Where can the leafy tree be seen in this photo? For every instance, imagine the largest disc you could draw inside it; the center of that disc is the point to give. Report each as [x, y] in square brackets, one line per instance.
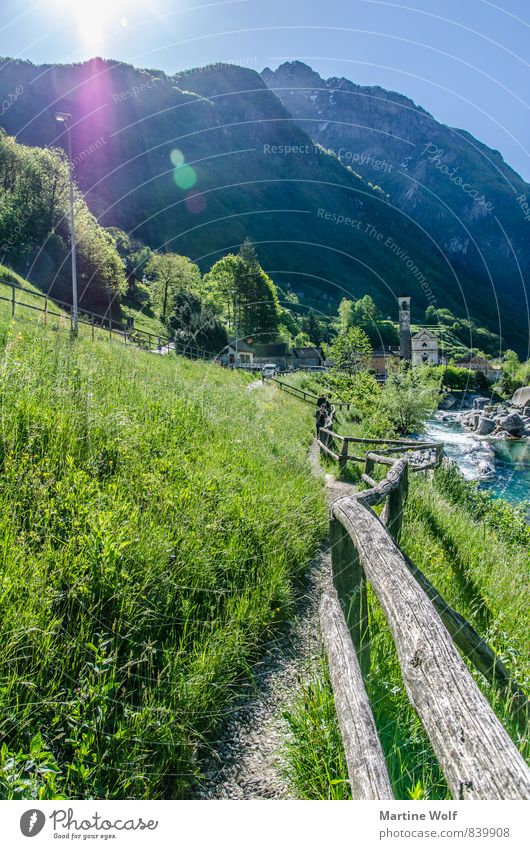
[365, 311]
[194, 323]
[244, 292]
[345, 312]
[408, 398]
[170, 274]
[311, 326]
[34, 226]
[510, 367]
[302, 340]
[351, 350]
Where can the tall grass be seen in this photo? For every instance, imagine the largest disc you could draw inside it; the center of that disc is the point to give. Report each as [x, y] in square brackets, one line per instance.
[154, 518]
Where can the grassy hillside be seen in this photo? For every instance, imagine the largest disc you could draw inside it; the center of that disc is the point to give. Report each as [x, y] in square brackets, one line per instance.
[154, 517]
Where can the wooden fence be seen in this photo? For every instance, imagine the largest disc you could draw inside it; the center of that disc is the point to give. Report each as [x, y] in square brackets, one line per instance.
[328, 440]
[117, 330]
[303, 394]
[476, 755]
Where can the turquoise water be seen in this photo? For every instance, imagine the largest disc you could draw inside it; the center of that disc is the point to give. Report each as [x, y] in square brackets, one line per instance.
[510, 458]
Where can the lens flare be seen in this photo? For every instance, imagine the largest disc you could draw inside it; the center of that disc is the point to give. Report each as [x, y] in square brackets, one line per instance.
[195, 203]
[177, 157]
[185, 176]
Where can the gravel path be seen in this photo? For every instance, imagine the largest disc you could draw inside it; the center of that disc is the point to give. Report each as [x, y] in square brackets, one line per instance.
[246, 761]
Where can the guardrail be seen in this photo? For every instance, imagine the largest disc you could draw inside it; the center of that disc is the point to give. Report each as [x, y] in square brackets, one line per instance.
[303, 394]
[476, 755]
[118, 330]
[328, 438]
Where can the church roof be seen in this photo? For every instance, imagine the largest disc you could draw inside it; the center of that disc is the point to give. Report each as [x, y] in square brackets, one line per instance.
[424, 332]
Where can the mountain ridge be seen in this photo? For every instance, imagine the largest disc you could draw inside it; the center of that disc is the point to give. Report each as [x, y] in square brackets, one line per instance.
[196, 161]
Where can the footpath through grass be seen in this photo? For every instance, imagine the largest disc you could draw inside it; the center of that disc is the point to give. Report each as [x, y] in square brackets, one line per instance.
[154, 518]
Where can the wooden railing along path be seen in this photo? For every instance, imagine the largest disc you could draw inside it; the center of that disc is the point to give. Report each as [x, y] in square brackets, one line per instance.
[476, 755]
[328, 444]
[117, 330]
[303, 394]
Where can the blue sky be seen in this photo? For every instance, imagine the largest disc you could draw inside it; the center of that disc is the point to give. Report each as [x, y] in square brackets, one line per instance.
[466, 61]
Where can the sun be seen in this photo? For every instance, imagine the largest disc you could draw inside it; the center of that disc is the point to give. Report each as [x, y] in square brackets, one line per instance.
[95, 19]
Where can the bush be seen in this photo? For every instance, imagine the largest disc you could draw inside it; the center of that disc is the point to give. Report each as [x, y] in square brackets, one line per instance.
[408, 398]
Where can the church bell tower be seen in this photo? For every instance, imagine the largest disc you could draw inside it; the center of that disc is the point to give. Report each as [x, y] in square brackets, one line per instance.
[405, 347]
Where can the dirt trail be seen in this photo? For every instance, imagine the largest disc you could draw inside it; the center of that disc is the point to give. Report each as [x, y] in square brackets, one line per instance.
[246, 760]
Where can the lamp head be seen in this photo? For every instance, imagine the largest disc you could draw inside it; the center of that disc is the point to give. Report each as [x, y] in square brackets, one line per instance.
[62, 117]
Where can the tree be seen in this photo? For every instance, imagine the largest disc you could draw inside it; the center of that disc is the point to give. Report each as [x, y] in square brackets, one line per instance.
[170, 274]
[510, 368]
[311, 326]
[302, 340]
[345, 314]
[34, 225]
[408, 398]
[244, 293]
[351, 350]
[365, 311]
[194, 323]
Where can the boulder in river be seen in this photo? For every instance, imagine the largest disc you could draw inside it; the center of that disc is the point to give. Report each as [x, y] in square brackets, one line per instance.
[512, 423]
[480, 402]
[521, 397]
[485, 426]
[448, 402]
[485, 470]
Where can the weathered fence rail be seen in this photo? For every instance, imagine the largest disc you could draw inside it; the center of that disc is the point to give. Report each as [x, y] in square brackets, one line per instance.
[476, 755]
[328, 444]
[309, 397]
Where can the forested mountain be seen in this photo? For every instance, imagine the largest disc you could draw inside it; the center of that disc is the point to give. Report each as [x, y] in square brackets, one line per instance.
[194, 163]
[461, 191]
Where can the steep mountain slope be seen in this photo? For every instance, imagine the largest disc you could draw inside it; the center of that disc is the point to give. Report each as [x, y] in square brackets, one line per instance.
[462, 192]
[195, 162]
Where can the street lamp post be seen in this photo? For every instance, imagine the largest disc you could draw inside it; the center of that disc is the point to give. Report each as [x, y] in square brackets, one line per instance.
[64, 118]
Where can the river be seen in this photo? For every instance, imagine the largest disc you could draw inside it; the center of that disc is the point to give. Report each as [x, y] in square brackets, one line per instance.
[510, 458]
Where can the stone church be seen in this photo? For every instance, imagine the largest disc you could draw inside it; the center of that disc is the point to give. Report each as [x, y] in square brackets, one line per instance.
[422, 348]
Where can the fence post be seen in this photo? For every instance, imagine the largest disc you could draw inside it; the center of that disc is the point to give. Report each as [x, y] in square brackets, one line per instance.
[392, 516]
[46, 310]
[369, 467]
[343, 457]
[13, 301]
[350, 583]
[92, 327]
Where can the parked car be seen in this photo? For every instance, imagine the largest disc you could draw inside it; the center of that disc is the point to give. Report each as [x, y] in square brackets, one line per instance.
[269, 370]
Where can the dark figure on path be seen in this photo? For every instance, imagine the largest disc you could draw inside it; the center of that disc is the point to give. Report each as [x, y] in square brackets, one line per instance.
[321, 416]
[323, 400]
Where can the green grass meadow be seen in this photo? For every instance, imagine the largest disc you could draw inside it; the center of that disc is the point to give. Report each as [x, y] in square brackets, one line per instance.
[155, 516]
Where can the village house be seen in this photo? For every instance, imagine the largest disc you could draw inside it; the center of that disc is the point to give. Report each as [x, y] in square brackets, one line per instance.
[309, 357]
[384, 360]
[491, 372]
[248, 354]
[244, 354]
